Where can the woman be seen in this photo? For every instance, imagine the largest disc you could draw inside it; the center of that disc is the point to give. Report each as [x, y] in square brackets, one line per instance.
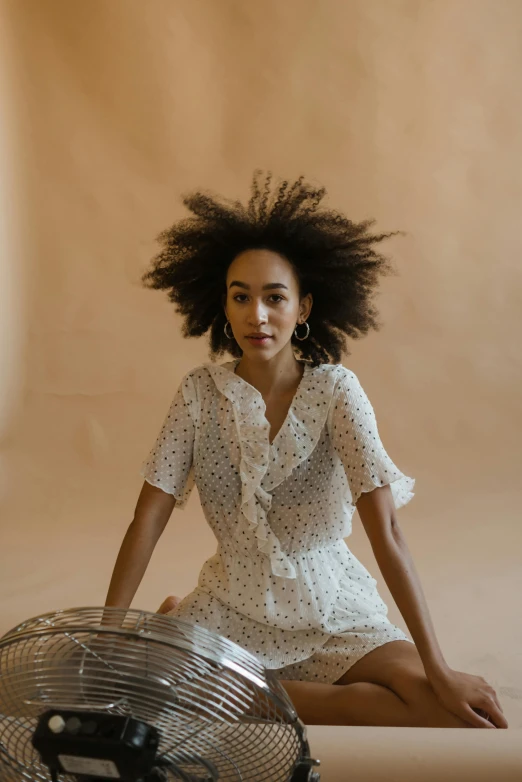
[283, 448]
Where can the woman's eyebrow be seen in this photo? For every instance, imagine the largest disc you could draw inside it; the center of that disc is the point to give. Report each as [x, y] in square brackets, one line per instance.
[266, 287]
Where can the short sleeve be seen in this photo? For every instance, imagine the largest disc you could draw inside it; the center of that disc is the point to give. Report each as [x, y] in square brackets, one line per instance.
[170, 462]
[353, 428]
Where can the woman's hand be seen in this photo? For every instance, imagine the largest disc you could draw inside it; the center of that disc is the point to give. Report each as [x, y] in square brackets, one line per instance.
[469, 697]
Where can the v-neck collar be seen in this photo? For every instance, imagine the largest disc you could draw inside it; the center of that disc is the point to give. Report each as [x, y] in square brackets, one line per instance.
[306, 370]
[264, 465]
[299, 433]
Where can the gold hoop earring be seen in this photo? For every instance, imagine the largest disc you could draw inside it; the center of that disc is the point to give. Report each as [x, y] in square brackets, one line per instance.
[307, 332]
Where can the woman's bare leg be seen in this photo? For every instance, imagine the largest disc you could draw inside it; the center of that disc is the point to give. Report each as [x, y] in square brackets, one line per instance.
[168, 604]
[350, 704]
[358, 703]
[362, 703]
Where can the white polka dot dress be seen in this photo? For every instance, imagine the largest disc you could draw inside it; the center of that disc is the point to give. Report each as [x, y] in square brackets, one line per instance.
[282, 584]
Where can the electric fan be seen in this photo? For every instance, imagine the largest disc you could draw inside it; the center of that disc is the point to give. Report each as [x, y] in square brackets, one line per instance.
[96, 694]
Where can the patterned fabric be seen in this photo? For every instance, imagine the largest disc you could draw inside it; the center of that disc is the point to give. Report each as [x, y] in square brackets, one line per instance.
[282, 583]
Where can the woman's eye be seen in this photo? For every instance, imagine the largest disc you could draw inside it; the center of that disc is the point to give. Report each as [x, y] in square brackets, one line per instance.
[280, 298]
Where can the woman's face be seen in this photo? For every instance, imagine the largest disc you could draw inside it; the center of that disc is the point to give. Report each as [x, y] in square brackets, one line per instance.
[263, 296]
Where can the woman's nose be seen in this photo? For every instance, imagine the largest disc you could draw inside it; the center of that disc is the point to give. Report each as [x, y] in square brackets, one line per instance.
[257, 312]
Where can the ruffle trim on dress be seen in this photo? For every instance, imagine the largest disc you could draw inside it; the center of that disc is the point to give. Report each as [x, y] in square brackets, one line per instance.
[401, 485]
[380, 470]
[264, 462]
[402, 490]
[304, 424]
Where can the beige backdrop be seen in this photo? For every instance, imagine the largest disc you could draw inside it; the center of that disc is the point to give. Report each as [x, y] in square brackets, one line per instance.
[407, 111]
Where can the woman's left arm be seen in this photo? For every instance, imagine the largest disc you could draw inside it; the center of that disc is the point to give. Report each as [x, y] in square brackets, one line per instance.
[461, 693]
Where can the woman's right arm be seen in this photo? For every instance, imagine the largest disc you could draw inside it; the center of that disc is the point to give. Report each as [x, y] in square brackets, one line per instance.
[153, 510]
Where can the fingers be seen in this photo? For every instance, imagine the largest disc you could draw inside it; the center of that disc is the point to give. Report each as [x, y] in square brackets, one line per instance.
[473, 717]
[496, 714]
[498, 704]
[493, 707]
[488, 717]
[501, 722]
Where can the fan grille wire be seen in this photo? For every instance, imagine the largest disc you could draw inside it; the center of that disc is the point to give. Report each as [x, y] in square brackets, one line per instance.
[206, 695]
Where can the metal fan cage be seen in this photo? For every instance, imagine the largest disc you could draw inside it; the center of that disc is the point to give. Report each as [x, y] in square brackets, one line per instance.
[208, 697]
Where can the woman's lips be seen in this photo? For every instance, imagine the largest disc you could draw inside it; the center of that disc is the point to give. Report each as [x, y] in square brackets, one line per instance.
[258, 340]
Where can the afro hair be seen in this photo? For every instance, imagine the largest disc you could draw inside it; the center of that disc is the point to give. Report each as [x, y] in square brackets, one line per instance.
[333, 258]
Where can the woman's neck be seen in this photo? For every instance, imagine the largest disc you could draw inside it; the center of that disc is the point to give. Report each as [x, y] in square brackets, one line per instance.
[273, 378]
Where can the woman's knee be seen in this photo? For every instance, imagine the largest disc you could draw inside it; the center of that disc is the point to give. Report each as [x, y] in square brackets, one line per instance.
[311, 700]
